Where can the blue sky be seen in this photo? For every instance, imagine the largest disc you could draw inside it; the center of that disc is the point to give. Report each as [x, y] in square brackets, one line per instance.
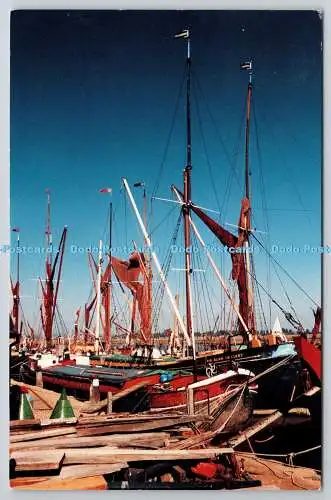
[93, 96]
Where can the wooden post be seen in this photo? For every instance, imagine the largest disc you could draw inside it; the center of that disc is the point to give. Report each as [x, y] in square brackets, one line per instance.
[190, 401]
[39, 378]
[109, 403]
[95, 391]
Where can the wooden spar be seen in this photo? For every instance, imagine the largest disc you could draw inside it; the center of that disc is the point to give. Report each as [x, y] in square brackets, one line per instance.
[156, 262]
[106, 283]
[133, 317]
[76, 326]
[212, 262]
[16, 288]
[97, 327]
[49, 296]
[254, 429]
[247, 221]
[146, 336]
[186, 206]
[61, 253]
[48, 292]
[87, 308]
[174, 343]
[115, 455]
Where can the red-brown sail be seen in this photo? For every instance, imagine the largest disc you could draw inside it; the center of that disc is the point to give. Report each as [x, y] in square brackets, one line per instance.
[234, 245]
[128, 273]
[317, 324]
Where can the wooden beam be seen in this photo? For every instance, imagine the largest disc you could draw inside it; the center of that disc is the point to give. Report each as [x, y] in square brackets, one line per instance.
[254, 429]
[86, 470]
[37, 460]
[26, 481]
[42, 434]
[23, 424]
[51, 422]
[114, 455]
[109, 403]
[126, 427]
[143, 440]
[84, 483]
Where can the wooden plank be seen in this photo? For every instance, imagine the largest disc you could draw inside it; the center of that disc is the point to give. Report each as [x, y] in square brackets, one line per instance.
[42, 434]
[83, 483]
[264, 412]
[198, 440]
[71, 471]
[312, 391]
[127, 417]
[50, 422]
[144, 440]
[25, 481]
[254, 429]
[136, 427]
[21, 424]
[114, 455]
[37, 460]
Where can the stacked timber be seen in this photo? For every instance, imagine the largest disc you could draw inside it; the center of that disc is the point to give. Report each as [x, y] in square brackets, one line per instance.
[69, 450]
[98, 451]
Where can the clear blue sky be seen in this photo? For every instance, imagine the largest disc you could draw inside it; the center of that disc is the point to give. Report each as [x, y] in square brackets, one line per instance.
[93, 95]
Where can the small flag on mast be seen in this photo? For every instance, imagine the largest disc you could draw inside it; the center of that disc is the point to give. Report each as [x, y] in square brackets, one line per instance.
[246, 65]
[105, 190]
[16, 229]
[183, 34]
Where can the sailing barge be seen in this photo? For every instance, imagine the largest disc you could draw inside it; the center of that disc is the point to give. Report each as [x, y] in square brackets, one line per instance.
[253, 354]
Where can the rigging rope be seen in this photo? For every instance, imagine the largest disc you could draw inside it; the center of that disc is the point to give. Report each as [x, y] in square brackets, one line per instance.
[160, 171]
[286, 272]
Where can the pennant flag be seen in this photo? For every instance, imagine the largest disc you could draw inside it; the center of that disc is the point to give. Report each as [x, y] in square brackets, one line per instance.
[139, 184]
[105, 190]
[246, 65]
[16, 229]
[184, 34]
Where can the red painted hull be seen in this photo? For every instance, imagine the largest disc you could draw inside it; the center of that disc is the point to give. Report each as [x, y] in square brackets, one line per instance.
[310, 354]
[175, 395]
[84, 385]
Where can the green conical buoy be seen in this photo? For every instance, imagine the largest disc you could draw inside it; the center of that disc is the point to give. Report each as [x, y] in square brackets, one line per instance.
[25, 411]
[63, 408]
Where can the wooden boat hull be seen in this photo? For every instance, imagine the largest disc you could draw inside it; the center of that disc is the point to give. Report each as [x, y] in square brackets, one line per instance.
[174, 396]
[252, 358]
[311, 355]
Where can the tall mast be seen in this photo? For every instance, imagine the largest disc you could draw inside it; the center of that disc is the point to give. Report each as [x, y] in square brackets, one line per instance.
[250, 295]
[148, 275]
[16, 287]
[108, 285]
[187, 199]
[49, 292]
[48, 227]
[106, 279]
[49, 285]
[98, 307]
